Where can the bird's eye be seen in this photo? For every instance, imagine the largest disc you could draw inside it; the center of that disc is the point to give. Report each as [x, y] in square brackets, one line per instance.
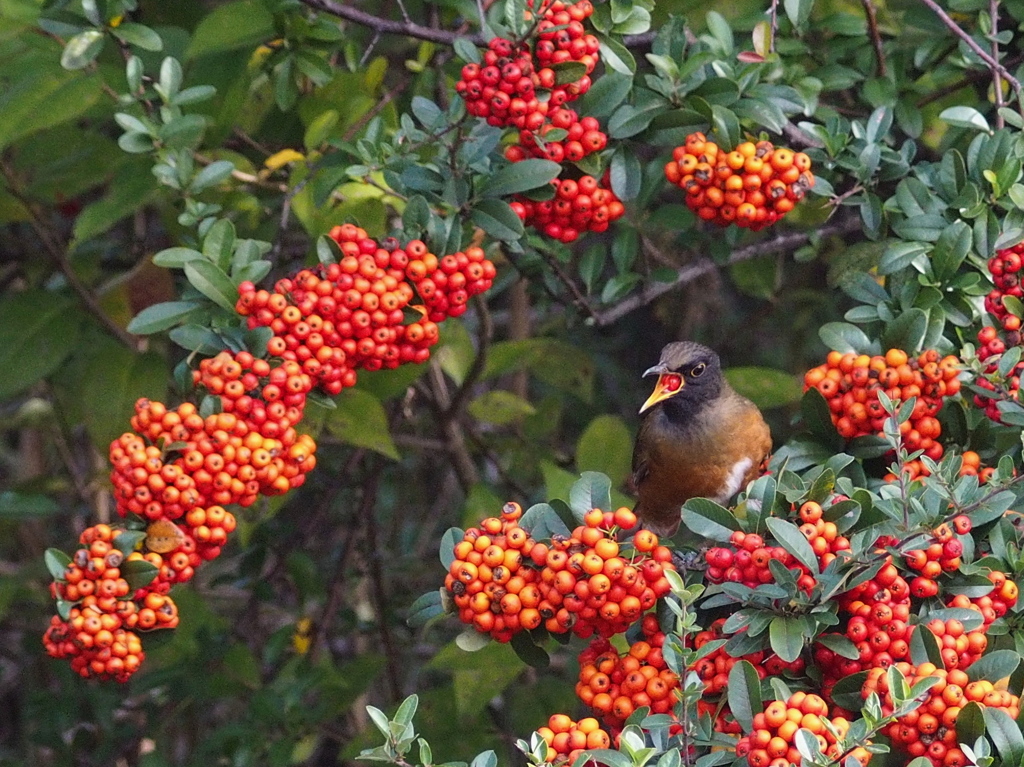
[697, 370]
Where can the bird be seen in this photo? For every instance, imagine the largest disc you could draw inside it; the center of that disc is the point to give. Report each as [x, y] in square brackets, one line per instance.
[697, 437]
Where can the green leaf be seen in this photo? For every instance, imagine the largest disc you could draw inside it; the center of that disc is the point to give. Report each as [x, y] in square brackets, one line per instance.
[449, 540]
[38, 330]
[1005, 734]
[840, 645]
[994, 666]
[785, 634]
[497, 219]
[606, 446]
[951, 250]
[617, 56]
[965, 117]
[211, 175]
[765, 387]
[610, 758]
[115, 378]
[625, 173]
[219, 244]
[844, 337]
[924, 647]
[907, 331]
[818, 419]
[175, 258]
[184, 131]
[56, 563]
[138, 572]
[591, 491]
[846, 692]
[227, 27]
[320, 129]
[519, 177]
[210, 280]
[360, 420]
[629, 120]
[127, 540]
[528, 651]
[744, 693]
[160, 317]
[568, 71]
[466, 50]
[138, 35]
[19, 507]
[605, 95]
[709, 519]
[500, 407]
[541, 521]
[970, 722]
[82, 49]
[792, 540]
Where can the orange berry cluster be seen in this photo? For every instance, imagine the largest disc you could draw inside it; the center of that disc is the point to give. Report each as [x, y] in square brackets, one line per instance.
[753, 186]
[1005, 267]
[993, 605]
[493, 587]
[614, 685]
[1005, 270]
[591, 584]
[941, 555]
[341, 317]
[99, 636]
[774, 733]
[930, 730]
[579, 138]
[580, 205]
[991, 346]
[579, 584]
[850, 384]
[503, 90]
[567, 739]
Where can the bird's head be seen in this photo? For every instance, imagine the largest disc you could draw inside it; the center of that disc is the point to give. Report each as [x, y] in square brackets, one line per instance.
[688, 376]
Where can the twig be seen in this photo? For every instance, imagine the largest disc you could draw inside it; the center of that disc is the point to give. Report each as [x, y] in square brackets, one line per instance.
[57, 252]
[388, 26]
[774, 16]
[702, 266]
[971, 43]
[578, 299]
[997, 81]
[876, 37]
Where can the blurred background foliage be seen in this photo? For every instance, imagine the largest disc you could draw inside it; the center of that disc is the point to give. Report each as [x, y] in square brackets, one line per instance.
[288, 636]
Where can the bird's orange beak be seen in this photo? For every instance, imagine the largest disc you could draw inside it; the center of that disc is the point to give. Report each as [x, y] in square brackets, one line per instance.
[668, 385]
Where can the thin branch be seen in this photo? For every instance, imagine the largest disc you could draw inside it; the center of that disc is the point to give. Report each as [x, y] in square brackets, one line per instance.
[700, 267]
[774, 15]
[997, 81]
[58, 253]
[971, 43]
[876, 37]
[388, 26]
[578, 299]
